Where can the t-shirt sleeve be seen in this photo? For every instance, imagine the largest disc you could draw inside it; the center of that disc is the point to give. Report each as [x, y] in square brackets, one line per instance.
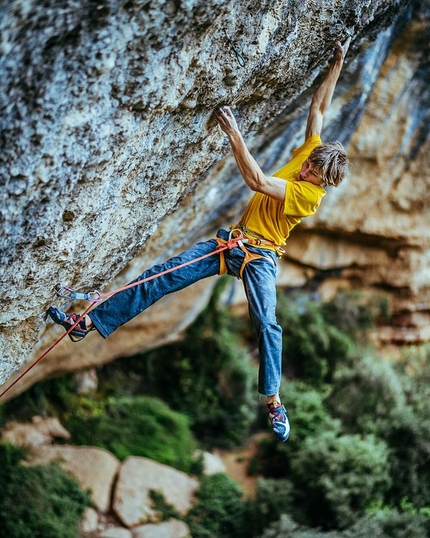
[301, 199]
[308, 145]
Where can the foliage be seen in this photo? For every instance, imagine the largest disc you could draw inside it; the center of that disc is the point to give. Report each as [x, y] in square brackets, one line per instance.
[139, 426]
[375, 396]
[393, 525]
[38, 502]
[367, 395]
[161, 506]
[336, 478]
[34, 401]
[413, 457]
[312, 347]
[272, 500]
[220, 509]
[354, 315]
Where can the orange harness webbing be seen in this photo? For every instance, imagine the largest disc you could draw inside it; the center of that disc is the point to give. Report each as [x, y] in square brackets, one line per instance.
[249, 256]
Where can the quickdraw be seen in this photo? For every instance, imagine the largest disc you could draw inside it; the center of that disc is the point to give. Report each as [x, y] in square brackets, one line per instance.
[240, 59]
[67, 293]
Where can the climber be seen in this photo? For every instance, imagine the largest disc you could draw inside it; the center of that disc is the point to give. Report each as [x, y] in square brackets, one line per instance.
[279, 203]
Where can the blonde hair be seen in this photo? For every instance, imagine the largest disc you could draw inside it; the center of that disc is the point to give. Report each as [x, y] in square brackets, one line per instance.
[331, 162]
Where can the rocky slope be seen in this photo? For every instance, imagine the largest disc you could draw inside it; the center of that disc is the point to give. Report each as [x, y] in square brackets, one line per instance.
[111, 160]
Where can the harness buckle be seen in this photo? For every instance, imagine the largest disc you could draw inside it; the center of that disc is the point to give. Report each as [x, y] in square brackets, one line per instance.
[238, 238]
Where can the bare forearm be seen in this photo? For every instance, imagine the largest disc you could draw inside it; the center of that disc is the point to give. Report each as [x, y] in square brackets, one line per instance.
[324, 94]
[248, 167]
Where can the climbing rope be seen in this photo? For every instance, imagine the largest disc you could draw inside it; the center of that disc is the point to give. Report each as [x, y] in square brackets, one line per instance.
[95, 296]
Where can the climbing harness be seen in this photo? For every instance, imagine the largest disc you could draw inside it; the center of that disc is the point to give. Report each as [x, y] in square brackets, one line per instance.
[240, 59]
[257, 240]
[240, 239]
[95, 296]
[242, 235]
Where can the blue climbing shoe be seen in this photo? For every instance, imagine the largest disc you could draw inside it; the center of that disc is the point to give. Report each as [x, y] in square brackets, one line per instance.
[279, 419]
[79, 332]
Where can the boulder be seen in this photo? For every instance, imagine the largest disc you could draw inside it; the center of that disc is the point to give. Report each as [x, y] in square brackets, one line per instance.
[41, 431]
[115, 532]
[212, 463]
[173, 528]
[137, 477]
[89, 521]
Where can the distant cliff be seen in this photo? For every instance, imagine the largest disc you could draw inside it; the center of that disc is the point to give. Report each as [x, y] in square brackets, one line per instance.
[111, 161]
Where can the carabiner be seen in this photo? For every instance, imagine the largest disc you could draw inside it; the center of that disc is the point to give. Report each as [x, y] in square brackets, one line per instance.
[67, 293]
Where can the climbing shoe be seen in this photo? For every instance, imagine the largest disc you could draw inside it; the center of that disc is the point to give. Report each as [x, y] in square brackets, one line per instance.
[279, 419]
[79, 332]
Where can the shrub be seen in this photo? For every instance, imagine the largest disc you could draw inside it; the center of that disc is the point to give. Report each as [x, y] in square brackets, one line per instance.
[336, 478]
[38, 502]
[394, 525]
[312, 347]
[139, 426]
[370, 396]
[272, 500]
[286, 527]
[367, 395]
[353, 315]
[388, 526]
[220, 509]
[408, 440]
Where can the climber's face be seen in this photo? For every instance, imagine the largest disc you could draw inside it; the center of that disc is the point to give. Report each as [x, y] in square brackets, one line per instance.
[310, 174]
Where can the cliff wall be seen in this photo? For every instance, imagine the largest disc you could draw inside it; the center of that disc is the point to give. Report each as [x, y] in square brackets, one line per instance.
[111, 160]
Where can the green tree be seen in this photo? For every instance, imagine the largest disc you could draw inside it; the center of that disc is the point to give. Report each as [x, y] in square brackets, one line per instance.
[393, 525]
[367, 395]
[219, 511]
[312, 347]
[336, 478]
[391, 401]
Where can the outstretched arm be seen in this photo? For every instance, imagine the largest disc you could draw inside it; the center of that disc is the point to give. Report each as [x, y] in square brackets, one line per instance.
[248, 167]
[323, 96]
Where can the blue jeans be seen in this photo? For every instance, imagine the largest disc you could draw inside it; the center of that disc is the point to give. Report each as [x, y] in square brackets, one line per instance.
[259, 279]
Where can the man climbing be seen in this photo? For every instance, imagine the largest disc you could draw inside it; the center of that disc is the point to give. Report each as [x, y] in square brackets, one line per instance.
[279, 203]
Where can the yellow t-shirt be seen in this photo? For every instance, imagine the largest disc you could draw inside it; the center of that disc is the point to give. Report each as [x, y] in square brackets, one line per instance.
[274, 220]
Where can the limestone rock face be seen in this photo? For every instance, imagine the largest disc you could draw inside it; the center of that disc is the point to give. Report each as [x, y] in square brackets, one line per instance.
[138, 476]
[111, 160]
